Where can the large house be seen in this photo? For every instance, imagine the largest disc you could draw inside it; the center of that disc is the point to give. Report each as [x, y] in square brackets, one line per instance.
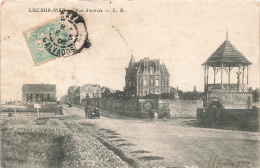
[39, 93]
[89, 91]
[76, 94]
[146, 77]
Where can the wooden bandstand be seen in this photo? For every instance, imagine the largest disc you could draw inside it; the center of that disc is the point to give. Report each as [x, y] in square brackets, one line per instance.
[225, 100]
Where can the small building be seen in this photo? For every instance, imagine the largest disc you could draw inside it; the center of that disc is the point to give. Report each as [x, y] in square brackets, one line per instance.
[146, 77]
[39, 93]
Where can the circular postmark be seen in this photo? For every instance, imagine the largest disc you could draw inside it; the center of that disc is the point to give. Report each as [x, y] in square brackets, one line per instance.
[68, 36]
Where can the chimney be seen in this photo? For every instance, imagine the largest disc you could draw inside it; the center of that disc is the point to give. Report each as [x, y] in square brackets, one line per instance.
[146, 63]
[157, 65]
[194, 89]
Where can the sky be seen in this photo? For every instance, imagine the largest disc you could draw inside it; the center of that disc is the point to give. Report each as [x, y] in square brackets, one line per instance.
[183, 34]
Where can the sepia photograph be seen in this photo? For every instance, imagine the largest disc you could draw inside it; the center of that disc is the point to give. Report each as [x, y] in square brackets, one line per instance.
[128, 83]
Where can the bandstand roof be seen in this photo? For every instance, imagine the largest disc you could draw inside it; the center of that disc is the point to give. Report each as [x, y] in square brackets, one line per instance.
[227, 54]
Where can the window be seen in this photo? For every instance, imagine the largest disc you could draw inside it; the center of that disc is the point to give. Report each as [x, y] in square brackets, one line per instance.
[48, 97]
[39, 97]
[151, 70]
[29, 97]
[145, 82]
[163, 81]
[139, 93]
[157, 82]
[152, 81]
[140, 81]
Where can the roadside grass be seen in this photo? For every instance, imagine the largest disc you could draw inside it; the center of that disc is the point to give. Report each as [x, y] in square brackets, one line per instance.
[27, 143]
[149, 158]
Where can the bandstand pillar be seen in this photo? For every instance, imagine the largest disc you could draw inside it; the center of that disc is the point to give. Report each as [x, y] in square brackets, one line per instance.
[238, 78]
[247, 75]
[214, 68]
[204, 78]
[222, 75]
[243, 75]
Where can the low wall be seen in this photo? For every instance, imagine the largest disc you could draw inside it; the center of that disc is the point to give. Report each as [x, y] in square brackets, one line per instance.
[239, 119]
[126, 107]
[182, 108]
[141, 107]
[232, 100]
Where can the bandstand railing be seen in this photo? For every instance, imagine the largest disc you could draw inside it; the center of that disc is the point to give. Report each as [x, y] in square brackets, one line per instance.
[227, 87]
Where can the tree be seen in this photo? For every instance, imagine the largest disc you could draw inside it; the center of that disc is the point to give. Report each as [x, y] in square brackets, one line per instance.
[167, 96]
[106, 93]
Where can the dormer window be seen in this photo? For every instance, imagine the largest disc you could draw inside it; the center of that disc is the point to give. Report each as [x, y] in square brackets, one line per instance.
[140, 81]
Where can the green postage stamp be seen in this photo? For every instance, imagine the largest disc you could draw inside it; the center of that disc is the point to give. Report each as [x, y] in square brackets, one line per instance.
[61, 37]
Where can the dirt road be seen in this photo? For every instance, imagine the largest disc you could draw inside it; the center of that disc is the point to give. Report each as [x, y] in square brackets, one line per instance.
[173, 143]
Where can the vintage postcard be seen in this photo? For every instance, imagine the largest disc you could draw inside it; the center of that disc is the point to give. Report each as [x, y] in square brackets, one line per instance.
[128, 83]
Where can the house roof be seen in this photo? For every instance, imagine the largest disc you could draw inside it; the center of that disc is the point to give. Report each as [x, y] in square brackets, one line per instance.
[139, 66]
[88, 87]
[38, 88]
[228, 55]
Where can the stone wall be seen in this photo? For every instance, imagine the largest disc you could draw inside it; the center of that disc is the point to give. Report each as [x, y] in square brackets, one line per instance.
[141, 107]
[182, 108]
[126, 107]
[232, 100]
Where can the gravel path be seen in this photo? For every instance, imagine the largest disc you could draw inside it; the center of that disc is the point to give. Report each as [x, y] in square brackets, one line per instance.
[88, 151]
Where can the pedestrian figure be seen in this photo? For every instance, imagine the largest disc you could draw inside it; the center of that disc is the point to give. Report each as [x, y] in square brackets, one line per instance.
[155, 116]
[148, 106]
[151, 115]
[165, 115]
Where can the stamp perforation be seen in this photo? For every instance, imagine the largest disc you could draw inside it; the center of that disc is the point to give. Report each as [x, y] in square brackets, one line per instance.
[29, 29]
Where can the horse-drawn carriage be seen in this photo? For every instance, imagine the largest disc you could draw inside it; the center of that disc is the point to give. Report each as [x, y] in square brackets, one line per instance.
[92, 108]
